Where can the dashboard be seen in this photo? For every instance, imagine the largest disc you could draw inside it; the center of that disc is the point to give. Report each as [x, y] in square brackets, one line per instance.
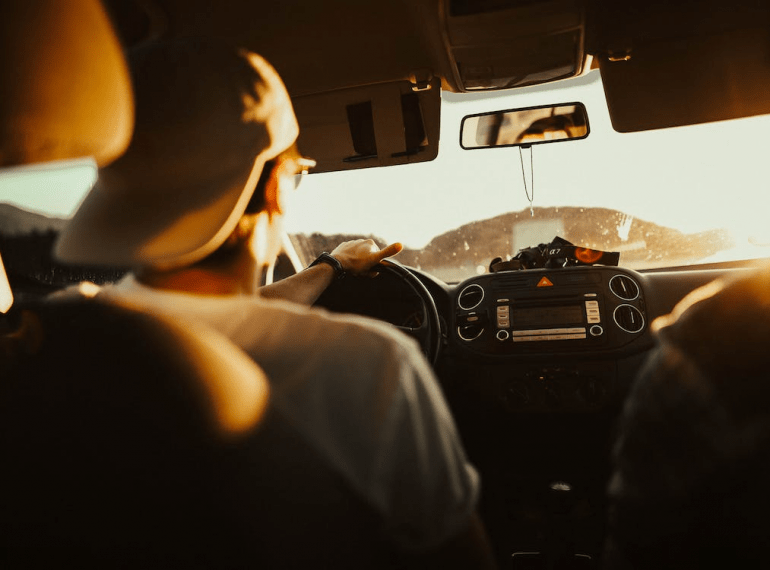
[540, 341]
[565, 330]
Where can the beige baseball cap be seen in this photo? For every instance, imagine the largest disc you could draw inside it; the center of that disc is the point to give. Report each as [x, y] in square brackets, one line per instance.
[208, 117]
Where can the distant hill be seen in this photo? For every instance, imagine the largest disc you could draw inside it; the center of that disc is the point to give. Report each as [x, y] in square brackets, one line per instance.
[15, 221]
[640, 243]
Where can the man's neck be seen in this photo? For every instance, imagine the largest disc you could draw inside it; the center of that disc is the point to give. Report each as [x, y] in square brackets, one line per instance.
[200, 281]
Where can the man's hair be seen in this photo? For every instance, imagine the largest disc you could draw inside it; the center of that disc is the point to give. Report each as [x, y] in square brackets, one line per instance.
[257, 202]
[229, 249]
[692, 461]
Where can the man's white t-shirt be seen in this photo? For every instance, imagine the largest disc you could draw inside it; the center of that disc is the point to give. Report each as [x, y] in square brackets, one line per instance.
[358, 391]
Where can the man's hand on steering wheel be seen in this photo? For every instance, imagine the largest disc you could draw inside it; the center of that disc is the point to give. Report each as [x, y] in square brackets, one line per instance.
[360, 256]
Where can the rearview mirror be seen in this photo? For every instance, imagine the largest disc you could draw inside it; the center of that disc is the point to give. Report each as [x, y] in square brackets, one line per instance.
[525, 127]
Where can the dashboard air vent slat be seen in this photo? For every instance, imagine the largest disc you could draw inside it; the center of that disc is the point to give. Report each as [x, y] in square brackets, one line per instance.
[624, 287]
[470, 297]
[629, 318]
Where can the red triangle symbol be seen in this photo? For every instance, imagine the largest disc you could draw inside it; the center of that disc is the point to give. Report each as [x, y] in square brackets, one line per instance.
[545, 282]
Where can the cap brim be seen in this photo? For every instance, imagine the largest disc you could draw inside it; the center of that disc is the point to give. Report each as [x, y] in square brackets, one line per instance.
[115, 227]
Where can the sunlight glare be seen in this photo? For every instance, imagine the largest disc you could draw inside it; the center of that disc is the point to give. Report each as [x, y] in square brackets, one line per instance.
[54, 188]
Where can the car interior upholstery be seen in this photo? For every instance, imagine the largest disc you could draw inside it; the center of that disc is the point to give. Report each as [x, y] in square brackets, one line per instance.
[536, 354]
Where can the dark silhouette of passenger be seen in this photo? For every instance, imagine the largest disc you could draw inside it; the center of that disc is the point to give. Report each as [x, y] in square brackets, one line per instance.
[692, 460]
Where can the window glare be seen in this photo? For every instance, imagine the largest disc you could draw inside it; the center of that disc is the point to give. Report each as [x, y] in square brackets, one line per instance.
[53, 189]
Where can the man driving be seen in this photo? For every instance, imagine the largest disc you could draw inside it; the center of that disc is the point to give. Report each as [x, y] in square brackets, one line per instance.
[195, 206]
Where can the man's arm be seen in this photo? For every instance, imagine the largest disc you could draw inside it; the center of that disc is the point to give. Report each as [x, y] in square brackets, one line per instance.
[358, 257]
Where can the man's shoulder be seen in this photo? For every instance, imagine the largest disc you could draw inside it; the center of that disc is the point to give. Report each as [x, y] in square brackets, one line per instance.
[263, 326]
[357, 328]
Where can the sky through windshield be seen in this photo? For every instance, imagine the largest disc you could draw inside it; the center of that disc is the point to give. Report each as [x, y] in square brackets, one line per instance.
[688, 178]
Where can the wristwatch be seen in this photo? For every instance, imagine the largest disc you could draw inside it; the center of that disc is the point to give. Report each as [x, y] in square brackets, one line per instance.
[329, 259]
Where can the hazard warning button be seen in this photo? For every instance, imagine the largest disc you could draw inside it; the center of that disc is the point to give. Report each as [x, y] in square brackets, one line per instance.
[544, 282]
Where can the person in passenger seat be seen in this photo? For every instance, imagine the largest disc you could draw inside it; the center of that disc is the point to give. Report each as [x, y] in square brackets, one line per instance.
[195, 206]
[692, 460]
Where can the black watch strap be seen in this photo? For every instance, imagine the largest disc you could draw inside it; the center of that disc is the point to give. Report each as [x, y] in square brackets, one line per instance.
[329, 259]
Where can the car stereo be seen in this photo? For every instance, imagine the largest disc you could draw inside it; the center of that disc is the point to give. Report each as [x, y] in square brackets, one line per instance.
[563, 310]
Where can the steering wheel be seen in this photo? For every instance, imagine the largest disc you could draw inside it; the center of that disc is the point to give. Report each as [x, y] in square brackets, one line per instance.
[428, 333]
[363, 296]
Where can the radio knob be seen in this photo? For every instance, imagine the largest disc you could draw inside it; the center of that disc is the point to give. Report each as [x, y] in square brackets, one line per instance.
[596, 330]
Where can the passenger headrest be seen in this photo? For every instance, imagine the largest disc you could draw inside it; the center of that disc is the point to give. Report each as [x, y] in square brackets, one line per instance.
[65, 85]
[66, 88]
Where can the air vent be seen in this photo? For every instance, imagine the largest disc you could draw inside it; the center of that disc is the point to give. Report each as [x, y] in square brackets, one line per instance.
[469, 332]
[629, 318]
[470, 297]
[624, 287]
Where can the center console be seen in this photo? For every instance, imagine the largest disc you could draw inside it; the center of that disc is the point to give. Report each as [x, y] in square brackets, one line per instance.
[550, 339]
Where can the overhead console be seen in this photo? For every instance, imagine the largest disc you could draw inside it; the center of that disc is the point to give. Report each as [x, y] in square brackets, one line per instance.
[499, 44]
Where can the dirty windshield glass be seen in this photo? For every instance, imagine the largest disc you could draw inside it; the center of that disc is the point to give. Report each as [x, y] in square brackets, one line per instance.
[662, 198]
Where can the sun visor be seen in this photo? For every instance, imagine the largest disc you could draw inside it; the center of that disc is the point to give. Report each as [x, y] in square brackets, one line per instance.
[689, 81]
[376, 125]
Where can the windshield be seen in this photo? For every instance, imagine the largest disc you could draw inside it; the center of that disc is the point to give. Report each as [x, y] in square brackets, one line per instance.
[661, 198]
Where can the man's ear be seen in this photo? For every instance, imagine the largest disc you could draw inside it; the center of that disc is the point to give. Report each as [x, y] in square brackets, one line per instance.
[265, 240]
[273, 195]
